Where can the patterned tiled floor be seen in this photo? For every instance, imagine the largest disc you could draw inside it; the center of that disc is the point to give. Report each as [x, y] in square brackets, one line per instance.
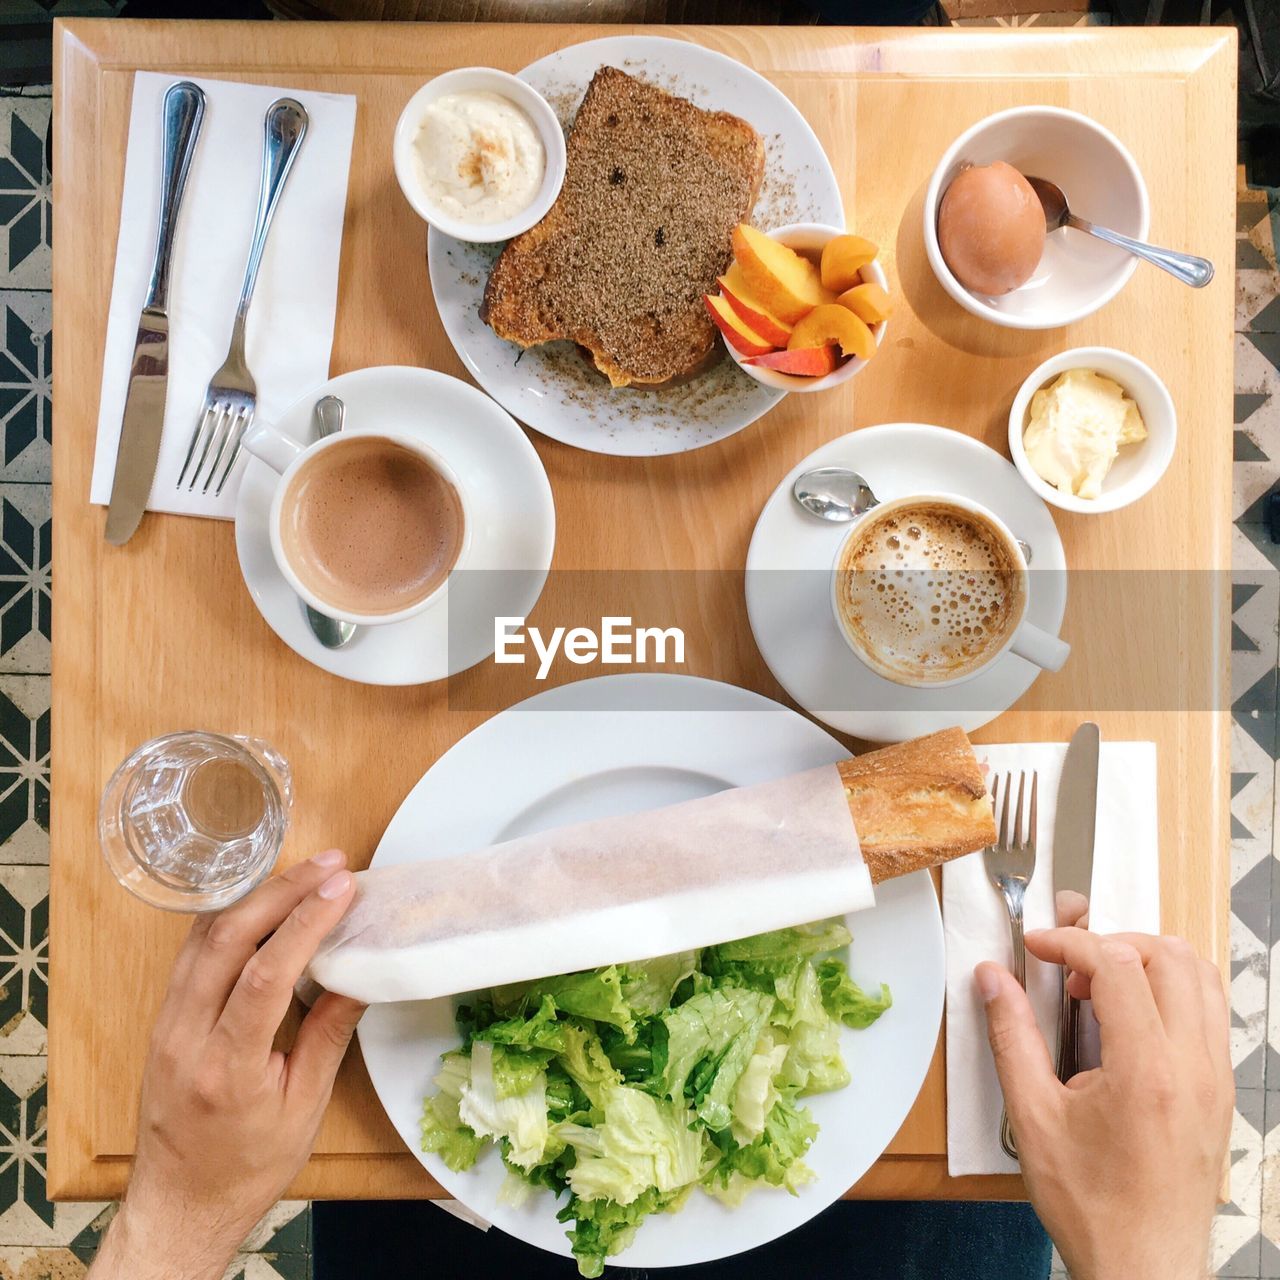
[39, 1240]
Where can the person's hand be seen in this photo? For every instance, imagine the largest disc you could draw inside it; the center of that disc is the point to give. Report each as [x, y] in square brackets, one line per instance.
[1123, 1163]
[226, 1120]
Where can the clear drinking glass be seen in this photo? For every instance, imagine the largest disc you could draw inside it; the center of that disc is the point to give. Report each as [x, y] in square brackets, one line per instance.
[192, 821]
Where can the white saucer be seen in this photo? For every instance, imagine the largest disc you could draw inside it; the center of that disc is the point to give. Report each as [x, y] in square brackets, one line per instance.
[513, 516]
[791, 611]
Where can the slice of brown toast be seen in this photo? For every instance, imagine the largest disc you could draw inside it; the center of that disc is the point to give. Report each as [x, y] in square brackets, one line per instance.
[653, 189]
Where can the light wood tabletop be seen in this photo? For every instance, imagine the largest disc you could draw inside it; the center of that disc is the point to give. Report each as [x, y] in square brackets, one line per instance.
[161, 634]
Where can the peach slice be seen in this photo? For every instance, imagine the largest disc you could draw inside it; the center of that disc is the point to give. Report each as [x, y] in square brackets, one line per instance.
[781, 281]
[737, 293]
[842, 259]
[811, 362]
[868, 302]
[737, 333]
[837, 324]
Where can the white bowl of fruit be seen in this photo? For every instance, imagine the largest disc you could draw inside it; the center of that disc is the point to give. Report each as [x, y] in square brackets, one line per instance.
[801, 308]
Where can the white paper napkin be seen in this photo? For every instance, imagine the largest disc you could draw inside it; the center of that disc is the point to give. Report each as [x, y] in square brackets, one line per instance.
[290, 330]
[1125, 897]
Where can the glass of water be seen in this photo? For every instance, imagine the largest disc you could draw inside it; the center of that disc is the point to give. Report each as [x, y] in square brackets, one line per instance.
[192, 821]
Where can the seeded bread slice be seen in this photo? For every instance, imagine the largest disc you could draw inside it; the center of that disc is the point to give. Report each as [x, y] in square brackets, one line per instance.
[653, 189]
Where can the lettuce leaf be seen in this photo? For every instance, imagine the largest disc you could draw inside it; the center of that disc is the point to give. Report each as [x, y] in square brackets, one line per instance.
[643, 1142]
[774, 1158]
[756, 1092]
[540, 1030]
[516, 1071]
[586, 1063]
[845, 1000]
[602, 1228]
[710, 1040]
[780, 948]
[522, 1120]
[443, 1130]
[814, 1063]
[649, 985]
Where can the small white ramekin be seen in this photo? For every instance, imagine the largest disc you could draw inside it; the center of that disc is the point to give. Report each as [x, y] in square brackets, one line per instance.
[1077, 273]
[1139, 466]
[530, 101]
[811, 237]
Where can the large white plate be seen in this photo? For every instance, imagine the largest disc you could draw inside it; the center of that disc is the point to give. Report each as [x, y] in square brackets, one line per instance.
[597, 748]
[789, 584]
[552, 388]
[514, 527]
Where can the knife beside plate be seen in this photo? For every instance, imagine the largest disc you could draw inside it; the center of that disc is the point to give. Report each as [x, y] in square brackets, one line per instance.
[149, 375]
[1073, 840]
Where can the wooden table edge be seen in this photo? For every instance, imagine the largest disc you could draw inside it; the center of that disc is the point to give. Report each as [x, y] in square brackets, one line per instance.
[401, 1177]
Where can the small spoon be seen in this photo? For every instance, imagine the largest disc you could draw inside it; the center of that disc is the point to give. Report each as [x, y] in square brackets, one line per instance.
[1197, 272]
[840, 495]
[328, 417]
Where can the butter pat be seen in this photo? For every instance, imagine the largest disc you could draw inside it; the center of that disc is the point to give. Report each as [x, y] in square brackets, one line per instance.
[1076, 427]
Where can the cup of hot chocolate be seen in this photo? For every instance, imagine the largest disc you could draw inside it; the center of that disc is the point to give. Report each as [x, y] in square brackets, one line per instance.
[366, 526]
[930, 590]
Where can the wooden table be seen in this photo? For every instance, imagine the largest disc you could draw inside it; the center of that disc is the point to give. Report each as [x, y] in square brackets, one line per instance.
[162, 635]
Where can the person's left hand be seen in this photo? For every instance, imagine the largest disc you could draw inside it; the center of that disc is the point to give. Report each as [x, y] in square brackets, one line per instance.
[227, 1120]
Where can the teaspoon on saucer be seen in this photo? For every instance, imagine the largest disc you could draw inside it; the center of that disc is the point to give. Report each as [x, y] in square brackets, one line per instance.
[840, 495]
[328, 417]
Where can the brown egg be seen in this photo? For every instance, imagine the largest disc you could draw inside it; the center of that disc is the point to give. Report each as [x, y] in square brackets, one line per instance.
[991, 228]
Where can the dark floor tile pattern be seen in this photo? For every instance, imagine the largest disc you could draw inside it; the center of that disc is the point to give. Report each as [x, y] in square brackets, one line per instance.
[26, 378]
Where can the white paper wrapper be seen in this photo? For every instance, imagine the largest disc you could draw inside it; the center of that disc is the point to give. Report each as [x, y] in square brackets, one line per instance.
[736, 863]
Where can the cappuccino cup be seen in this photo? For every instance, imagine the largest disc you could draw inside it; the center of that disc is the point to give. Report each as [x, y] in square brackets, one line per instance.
[366, 526]
[930, 590]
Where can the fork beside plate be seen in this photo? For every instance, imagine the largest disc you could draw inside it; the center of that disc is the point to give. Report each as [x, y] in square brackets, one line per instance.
[1010, 863]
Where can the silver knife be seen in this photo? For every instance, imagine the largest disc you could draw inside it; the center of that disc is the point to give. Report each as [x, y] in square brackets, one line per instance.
[149, 376]
[1073, 836]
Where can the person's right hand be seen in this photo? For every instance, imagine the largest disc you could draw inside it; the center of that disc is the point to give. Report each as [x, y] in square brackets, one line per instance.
[227, 1119]
[1123, 1163]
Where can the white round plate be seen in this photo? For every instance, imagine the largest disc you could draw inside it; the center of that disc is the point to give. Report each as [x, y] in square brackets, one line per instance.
[619, 744]
[514, 527]
[791, 613]
[553, 388]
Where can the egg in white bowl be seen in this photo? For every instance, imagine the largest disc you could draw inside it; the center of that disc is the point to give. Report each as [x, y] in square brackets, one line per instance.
[1075, 273]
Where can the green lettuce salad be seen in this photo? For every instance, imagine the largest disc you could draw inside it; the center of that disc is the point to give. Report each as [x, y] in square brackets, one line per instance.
[628, 1087]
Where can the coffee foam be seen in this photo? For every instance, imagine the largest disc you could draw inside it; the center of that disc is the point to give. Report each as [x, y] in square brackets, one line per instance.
[928, 592]
[371, 527]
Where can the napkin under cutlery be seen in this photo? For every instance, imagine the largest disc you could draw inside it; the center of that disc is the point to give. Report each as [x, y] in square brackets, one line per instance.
[290, 331]
[1125, 897]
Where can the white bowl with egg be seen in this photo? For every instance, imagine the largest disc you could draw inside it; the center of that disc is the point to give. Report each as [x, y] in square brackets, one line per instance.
[479, 154]
[1137, 467]
[1076, 273]
[809, 238]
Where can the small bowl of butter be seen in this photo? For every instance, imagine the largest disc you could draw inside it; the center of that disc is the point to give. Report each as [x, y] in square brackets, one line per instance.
[479, 154]
[1092, 430]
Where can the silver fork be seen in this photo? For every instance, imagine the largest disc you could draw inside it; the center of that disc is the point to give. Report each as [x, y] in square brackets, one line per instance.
[232, 395]
[1010, 863]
